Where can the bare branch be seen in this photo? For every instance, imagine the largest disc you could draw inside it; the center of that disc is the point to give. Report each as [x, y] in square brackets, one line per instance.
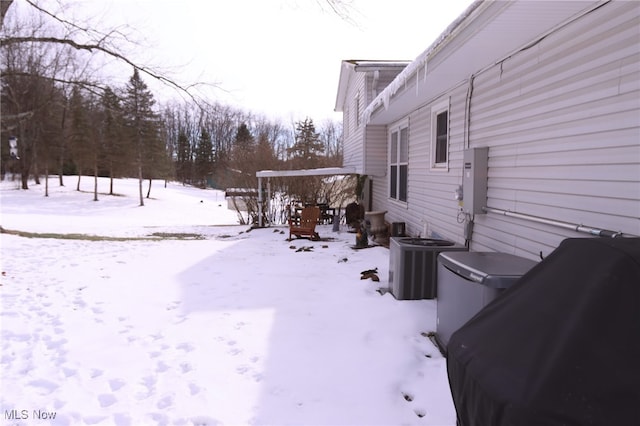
[98, 47]
[342, 8]
[92, 87]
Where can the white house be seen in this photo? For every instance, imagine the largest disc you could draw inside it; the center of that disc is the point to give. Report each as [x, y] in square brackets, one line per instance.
[544, 97]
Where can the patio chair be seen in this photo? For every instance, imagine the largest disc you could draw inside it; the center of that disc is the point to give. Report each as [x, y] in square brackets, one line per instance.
[305, 225]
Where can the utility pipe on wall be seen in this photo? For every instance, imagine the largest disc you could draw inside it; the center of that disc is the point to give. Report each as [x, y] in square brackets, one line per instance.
[566, 225]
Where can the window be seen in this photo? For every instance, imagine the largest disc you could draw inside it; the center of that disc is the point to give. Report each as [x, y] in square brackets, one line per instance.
[399, 162]
[440, 135]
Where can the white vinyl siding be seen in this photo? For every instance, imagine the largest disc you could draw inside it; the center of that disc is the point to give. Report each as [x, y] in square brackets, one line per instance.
[357, 108]
[562, 122]
[353, 147]
[561, 118]
[375, 151]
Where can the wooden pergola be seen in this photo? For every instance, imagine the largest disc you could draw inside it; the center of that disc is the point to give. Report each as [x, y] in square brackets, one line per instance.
[326, 171]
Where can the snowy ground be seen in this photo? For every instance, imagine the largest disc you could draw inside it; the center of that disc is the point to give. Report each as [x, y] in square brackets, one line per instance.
[234, 328]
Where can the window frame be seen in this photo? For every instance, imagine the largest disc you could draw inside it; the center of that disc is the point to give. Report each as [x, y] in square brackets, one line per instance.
[398, 190]
[438, 108]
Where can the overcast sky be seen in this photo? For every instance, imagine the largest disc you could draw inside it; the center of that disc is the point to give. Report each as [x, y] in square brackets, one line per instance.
[280, 58]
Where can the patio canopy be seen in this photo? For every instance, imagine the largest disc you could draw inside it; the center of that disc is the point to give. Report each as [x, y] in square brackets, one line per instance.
[325, 171]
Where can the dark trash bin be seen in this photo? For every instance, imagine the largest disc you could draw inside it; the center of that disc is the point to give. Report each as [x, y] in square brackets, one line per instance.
[398, 229]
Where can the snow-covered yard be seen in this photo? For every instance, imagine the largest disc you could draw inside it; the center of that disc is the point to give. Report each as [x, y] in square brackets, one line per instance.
[204, 323]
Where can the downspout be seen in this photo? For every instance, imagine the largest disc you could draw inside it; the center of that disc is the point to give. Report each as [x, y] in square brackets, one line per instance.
[565, 225]
[467, 218]
[260, 221]
[268, 201]
[467, 112]
[374, 84]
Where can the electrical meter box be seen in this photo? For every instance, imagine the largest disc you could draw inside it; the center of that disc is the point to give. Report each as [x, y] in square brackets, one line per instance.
[474, 180]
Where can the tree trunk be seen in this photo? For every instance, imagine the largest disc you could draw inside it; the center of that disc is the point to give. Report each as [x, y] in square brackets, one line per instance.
[95, 182]
[25, 180]
[140, 183]
[25, 168]
[62, 142]
[79, 176]
[149, 190]
[46, 181]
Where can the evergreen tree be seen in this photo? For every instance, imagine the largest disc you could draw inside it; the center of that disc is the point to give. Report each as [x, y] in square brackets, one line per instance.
[265, 153]
[183, 158]
[143, 127]
[203, 158]
[243, 148]
[307, 148]
[80, 135]
[116, 152]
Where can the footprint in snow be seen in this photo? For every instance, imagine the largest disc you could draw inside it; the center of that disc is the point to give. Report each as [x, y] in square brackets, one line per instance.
[116, 384]
[173, 305]
[420, 413]
[161, 367]
[68, 372]
[96, 372]
[242, 369]
[165, 402]
[185, 346]
[106, 400]
[149, 384]
[121, 419]
[194, 389]
[46, 386]
[204, 421]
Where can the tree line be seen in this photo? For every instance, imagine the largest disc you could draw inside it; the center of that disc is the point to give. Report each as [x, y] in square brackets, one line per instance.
[68, 122]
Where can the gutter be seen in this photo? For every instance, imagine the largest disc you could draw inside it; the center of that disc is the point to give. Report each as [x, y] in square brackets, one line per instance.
[383, 98]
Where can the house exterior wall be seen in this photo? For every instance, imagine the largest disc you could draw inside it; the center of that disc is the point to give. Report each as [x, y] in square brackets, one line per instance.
[375, 161]
[353, 128]
[364, 146]
[430, 209]
[561, 119]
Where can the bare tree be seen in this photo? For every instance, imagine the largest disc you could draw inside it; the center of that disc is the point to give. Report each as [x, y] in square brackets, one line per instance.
[48, 39]
[28, 93]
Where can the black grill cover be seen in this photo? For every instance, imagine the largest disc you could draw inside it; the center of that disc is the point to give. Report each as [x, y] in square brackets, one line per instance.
[560, 347]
